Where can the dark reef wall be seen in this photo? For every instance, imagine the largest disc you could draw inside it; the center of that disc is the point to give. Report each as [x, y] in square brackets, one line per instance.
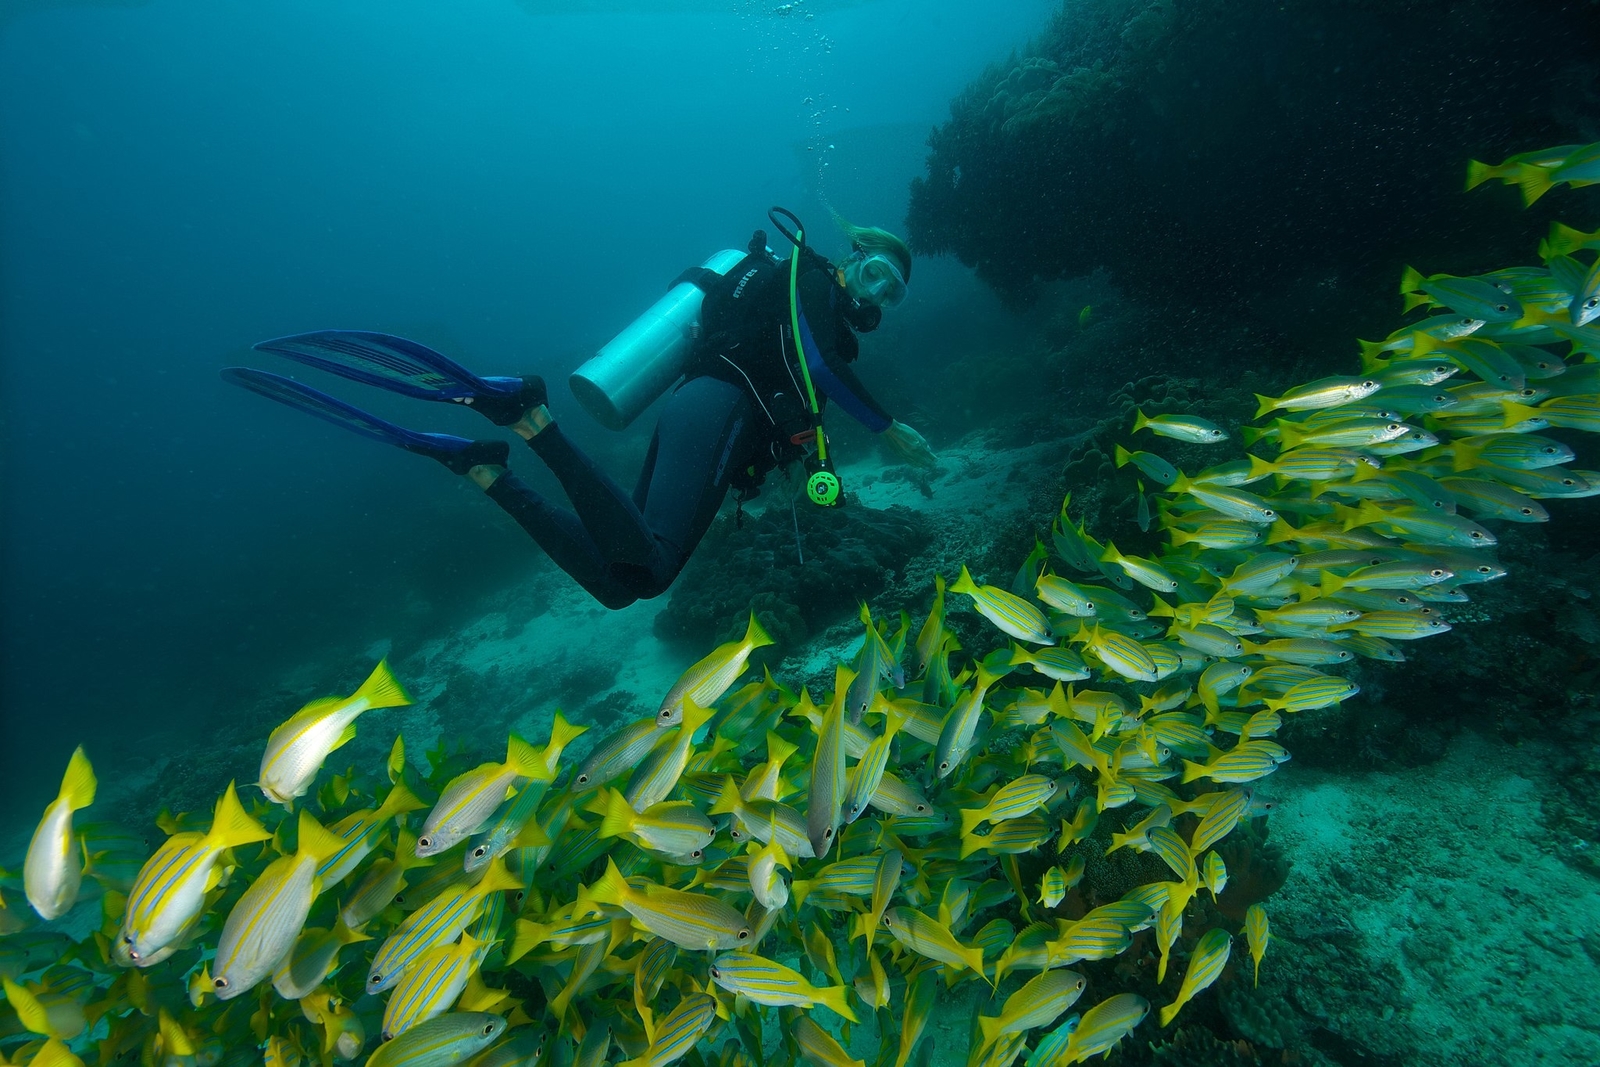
[1277, 160]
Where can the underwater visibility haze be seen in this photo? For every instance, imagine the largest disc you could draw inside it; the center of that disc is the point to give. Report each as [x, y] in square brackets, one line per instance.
[1171, 639]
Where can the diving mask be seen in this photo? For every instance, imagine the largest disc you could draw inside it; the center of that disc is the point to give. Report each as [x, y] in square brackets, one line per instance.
[875, 279]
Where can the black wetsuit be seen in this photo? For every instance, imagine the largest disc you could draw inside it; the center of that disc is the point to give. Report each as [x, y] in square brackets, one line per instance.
[734, 418]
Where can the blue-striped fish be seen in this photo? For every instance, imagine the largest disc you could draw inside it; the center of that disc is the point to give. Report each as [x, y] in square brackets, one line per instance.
[512, 826]
[361, 832]
[865, 776]
[1040, 1002]
[674, 1034]
[469, 800]
[1104, 1026]
[621, 751]
[296, 749]
[430, 986]
[673, 828]
[1009, 612]
[444, 1039]
[1019, 797]
[438, 921]
[169, 892]
[766, 982]
[1205, 966]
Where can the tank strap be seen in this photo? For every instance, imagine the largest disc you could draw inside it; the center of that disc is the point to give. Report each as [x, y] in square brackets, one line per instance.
[702, 278]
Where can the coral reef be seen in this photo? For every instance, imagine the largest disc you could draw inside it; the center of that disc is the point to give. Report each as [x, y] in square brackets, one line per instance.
[842, 558]
[1247, 186]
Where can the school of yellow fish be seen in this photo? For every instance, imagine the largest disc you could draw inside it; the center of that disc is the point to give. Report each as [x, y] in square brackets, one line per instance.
[744, 874]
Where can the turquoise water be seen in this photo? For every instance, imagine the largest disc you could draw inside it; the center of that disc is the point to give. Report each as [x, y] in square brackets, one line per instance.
[1113, 205]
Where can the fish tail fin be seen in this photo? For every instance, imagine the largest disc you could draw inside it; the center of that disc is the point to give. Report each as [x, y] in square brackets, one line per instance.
[1257, 982]
[78, 784]
[399, 801]
[1517, 413]
[610, 887]
[970, 818]
[1331, 583]
[1534, 182]
[1288, 434]
[1193, 771]
[499, 877]
[231, 825]
[522, 758]
[1371, 355]
[970, 843]
[835, 998]
[382, 689]
[728, 801]
[972, 956]
[755, 636]
[1170, 1012]
[529, 936]
[1120, 841]
[964, 582]
[1139, 421]
[30, 1012]
[317, 840]
[1410, 280]
[618, 816]
[1110, 555]
[1464, 456]
[779, 750]
[1264, 404]
[348, 936]
[405, 852]
[990, 1027]
[1415, 300]
[1280, 531]
[799, 889]
[1180, 536]
[563, 733]
[1260, 468]
[1123, 456]
[1477, 174]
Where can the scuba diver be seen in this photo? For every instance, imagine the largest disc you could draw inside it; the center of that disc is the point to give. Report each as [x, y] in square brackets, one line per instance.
[760, 344]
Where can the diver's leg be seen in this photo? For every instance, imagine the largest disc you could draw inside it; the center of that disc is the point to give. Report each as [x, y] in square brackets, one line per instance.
[557, 531]
[706, 434]
[614, 522]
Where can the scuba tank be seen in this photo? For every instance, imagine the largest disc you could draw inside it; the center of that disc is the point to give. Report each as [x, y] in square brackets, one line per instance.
[642, 362]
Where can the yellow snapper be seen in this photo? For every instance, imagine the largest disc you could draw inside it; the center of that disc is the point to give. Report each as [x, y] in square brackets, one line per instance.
[689, 920]
[818, 1047]
[314, 956]
[262, 927]
[470, 799]
[1104, 1026]
[51, 874]
[296, 749]
[441, 919]
[1205, 966]
[383, 881]
[1039, 1002]
[1257, 936]
[169, 893]
[1010, 613]
[767, 982]
[930, 938]
[706, 681]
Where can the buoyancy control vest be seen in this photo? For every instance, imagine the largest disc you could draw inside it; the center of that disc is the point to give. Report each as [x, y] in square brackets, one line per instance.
[746, 340]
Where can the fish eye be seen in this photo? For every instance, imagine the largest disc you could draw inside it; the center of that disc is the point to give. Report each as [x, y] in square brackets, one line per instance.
[744, 935]
[828, 834]
[1477, 534]
[581, 779]
[1502, 307]
[1527, 511]
[132, 955]
[425, 842]
[698, 854]
[944, 765]
[1269, 513]
[488, 1029]
[478, 852]
[715, 973]
[220, 982]
[922, 809]
[1437, 572]
[1369, 384]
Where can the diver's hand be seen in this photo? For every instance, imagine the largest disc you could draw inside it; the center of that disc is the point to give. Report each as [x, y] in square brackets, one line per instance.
[910, 445]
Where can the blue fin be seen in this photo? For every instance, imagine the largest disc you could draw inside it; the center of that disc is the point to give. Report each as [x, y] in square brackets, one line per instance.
[315, 402]
[388, 362]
